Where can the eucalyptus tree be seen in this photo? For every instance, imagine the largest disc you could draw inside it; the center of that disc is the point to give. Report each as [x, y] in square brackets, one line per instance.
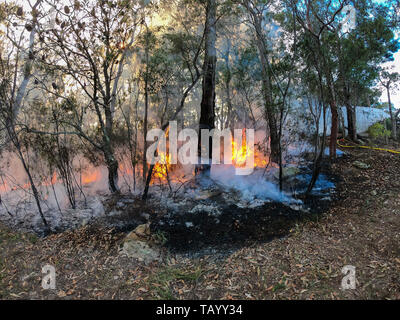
[18, 47]
[320, 22]
[88, 46]
[360, 52]
[260, 19]
[207, 109]
[389, 80]
[246, 82]
[183, 44]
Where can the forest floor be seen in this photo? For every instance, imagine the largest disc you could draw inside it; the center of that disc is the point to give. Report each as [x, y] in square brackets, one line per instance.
[361, 228]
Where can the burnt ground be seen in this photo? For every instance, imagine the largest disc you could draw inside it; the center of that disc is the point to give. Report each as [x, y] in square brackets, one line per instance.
[232, 229]
[296, 256]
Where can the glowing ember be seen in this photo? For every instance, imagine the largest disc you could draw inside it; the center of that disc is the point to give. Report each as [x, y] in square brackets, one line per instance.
[91, 177]
[52, 181]
[4, 187]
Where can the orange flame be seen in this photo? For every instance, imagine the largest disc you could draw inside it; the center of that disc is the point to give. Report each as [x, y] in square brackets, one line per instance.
[91, 177]
[163, 166]
[240, 154]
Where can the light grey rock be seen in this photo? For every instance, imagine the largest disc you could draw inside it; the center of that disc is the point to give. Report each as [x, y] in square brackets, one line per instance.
[361, 165]
[141, 251]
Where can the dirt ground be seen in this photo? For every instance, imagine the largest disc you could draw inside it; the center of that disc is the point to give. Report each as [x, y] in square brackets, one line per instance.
[361, 228]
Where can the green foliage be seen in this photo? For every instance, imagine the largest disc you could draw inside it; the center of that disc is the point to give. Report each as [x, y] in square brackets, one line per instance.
[378, 130]
[389, 124]
[160, 238]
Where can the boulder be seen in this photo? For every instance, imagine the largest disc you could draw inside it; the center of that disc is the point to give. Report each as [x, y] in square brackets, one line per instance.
[361, 165]
[143, 230]
[137, 245]
[140, 250]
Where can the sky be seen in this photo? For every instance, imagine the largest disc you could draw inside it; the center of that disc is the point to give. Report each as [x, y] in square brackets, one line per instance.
[395, 94]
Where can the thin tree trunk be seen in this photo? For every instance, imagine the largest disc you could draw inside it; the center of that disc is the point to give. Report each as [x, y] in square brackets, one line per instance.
[266, 89]
[15, 140]
[109, 154]
[228, 80]
[318, 156]
[207, 113]
[146, 110]
[334, 113]
[392, 117]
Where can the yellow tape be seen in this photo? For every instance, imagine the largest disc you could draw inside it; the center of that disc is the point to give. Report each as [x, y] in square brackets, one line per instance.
[372, 148]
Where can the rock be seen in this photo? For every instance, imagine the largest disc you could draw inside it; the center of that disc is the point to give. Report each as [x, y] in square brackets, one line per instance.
[361, 165]
[132, 236]
[140, 250]
[374, 193]
[136, 245]
[143, 230]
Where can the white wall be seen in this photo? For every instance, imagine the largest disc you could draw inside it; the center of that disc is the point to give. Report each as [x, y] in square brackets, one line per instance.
[366, 117]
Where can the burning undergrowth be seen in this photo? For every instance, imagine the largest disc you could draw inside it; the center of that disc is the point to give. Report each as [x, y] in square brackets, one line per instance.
[218, 215]
[221, 216]
[222, 211]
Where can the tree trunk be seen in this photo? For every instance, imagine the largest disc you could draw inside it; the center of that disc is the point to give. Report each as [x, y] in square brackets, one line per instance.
[112, 166]
[392, 117]
[108, 151]
[228, 79]
[274, 138]
[14, 138]
[351, 123]
[334, 112]
[267, 91]
[207, 114]
[146, 110]
[334, 130]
